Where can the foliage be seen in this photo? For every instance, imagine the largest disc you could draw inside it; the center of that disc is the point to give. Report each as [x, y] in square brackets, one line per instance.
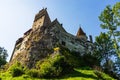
[116, 9]
[102, 76]
[110, 19]
[17, 72]
[33, 73]
[86, 68]
[73, 58]
[82, 74]
[89, 60]
[104, 47]
[47, 70]
[3, 56]
[16, 69]
[116, 68]
[7, 76]
[104, 52]
[53, 66]
[76, 74]
[56, 49]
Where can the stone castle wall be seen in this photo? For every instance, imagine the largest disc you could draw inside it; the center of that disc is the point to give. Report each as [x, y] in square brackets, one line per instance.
[39, 42]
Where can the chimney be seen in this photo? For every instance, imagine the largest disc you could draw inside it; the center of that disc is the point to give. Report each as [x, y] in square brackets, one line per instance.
[90, 37]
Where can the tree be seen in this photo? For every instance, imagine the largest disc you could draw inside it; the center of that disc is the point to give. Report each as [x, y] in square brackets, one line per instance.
[110, 19]
[117, 67]
[3, 56]
[104, 49]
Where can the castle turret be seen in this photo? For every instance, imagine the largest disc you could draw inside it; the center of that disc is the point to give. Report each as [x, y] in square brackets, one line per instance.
[81, 34]
[41, 19]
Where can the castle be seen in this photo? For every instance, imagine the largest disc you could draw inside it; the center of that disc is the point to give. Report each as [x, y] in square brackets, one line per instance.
[39, 41]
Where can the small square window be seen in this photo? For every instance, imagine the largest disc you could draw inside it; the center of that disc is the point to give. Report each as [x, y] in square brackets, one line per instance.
[63, 43]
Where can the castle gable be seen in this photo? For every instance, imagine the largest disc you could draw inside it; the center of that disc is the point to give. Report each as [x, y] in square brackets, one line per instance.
[58, 25]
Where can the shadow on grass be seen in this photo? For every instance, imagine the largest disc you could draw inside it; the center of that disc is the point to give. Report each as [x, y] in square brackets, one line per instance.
[79, 74]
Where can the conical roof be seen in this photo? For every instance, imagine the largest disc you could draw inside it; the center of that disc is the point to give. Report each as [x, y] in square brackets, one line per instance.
[80, 32]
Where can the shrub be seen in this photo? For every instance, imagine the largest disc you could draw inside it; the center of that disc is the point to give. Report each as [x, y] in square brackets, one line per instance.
[17, 72]
[16, 69]
[89, 60]
[47, 70]
[72, 58]
[33, 73]
[50, 68]
[86, 68]
[103, 76]
[53, 66]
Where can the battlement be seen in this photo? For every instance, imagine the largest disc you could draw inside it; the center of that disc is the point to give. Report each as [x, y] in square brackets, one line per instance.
[41, 19]
[19, 40]
[27, 32]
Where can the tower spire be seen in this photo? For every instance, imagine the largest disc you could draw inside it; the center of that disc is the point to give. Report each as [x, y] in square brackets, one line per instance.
[81, 34]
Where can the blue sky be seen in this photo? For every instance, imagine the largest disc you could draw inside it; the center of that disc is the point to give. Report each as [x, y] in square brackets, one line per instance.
[16, 17]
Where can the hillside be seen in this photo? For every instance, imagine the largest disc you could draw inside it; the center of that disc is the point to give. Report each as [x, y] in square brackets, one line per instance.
[77, 74]
[63, 65]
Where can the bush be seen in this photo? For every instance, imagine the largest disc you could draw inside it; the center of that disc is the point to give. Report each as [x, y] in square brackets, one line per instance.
[72, 58]
[53, 66]
[47, 70]
[50, 68]
[17, 72]
[103, 76]
[33, 73]
[86, 68]
[75, 59]
[16, 69]
[89, 60]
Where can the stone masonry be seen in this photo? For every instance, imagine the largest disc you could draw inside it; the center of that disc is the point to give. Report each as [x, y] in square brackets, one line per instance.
[39, 41]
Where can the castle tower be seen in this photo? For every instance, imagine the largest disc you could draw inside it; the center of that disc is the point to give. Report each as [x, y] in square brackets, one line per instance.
[41, 19]
[81, 34]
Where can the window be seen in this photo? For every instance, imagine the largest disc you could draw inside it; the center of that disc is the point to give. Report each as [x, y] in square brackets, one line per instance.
[63, 43]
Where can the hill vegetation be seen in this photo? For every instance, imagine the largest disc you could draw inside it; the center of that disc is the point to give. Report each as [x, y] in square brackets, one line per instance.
[62, 65]
[76, 74]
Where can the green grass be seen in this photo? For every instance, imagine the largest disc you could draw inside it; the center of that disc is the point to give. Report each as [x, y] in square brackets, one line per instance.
[8, 76]
[77, 74]
[80, 74]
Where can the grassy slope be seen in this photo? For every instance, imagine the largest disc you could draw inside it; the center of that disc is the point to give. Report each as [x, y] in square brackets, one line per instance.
[77, 74]
[80, 74]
